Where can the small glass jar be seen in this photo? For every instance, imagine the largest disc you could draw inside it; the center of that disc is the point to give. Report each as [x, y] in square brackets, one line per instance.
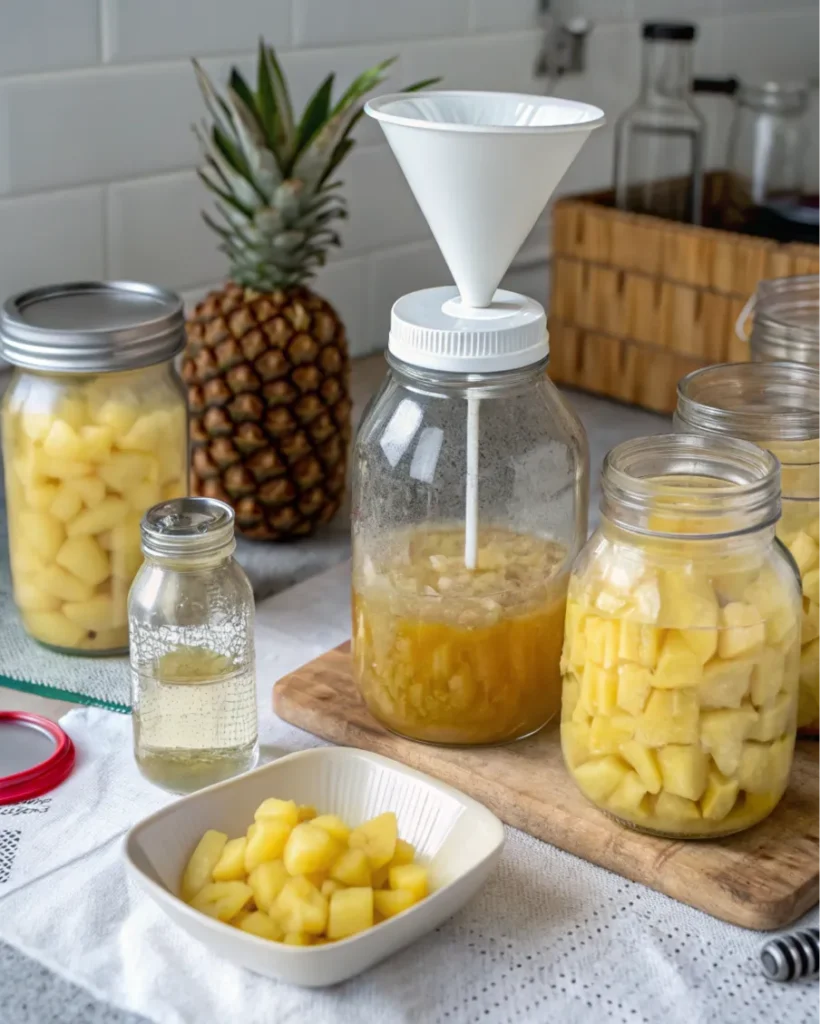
[94, 433]
[193, 678]
[777, 406]
[681, 648]
[786, 312]
[445, 652]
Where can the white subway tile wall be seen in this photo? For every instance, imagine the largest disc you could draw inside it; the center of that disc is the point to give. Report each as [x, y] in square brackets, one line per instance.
[97, 98]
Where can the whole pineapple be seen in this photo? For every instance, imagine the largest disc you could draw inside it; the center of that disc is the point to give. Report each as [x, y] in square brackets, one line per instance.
[266, 362]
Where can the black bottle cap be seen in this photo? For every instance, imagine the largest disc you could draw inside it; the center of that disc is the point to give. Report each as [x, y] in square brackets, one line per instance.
[679, 31]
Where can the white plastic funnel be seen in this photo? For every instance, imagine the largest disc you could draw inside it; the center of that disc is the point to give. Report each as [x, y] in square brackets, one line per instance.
[482, 166]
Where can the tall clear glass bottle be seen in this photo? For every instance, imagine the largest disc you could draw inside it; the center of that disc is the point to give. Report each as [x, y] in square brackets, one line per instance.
[659, 140]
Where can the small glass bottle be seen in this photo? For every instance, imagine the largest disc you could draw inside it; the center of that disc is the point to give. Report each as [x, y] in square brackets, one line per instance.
[659, 140]
[190, 618]
[681, 648]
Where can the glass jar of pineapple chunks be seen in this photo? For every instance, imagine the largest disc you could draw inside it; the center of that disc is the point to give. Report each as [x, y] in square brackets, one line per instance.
[470, 493]
[777, 406]
[681, 648]
[94, 433]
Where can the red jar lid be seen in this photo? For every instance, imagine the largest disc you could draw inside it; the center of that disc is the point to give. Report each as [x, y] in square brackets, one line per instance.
[35, 756]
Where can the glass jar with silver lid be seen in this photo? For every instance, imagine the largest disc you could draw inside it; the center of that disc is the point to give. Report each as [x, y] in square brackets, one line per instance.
[94, 433]
[191, 616]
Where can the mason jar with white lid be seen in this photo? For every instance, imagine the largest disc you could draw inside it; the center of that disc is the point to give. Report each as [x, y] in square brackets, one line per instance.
[94, 433]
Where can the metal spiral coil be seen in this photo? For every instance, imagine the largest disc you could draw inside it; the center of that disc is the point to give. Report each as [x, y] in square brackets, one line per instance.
[792, 956]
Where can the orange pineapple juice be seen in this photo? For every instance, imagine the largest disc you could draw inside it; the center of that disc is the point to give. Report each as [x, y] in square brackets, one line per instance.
[445, 654]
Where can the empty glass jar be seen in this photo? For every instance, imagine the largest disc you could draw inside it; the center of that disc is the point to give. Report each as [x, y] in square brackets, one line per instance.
[190, 616]
[681, 650]
[785, 312]
[777, 406]
[469, 505]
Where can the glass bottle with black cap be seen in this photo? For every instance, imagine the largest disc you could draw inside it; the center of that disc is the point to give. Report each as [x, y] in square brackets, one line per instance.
[659, 140]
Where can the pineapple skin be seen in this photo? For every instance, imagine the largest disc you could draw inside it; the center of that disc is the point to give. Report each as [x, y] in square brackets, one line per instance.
[268, 390]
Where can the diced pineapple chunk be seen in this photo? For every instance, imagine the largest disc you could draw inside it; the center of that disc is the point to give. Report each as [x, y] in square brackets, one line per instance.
[639, 643]
[270, 835]
[307, 812]
[222, 900]
[606, 734]
[672, 810]
[123, 470]
[298, 939]
[689, 605]
[286, 810]
[810, 624]
[104, 516]
[90, 489]
[767, 675]
[143, 495]
[258, 923]
[405, 854]
[352, 868]
[377, 838]
[97, 614]
[753, 773]
[63, 584]
[602, 641]
[117, 414]
[678, 665]
[670, 716]
[231, 864]
[147, 433]
[301, 907]
[645, 762]
[804, 551]
[380, 876]
[66, 503]
[575, 743]
[62, 442]
[570, 695]
[599, 689]
[773, 604]
[742, 631]
[351, 911]
[725, 683]
[723, 732]
[334, 825]
[202, 861]
[53, 628]
[267, 880]
[774, 719]
[411, 877]
[389, 902]
[719, 797]
[40, 496]
[683, 770]
[309, 849]
[30, 598]
[85, 559]
[628, 795]
[599, 777]
[44, 533]
[634, 686]
[811, 585]
[574, 638]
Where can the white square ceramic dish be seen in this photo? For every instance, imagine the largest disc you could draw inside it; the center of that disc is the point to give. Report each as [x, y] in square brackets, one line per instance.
[458, 838]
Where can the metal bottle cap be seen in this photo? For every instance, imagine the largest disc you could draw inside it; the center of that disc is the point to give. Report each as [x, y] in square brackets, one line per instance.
[92, 327]
[35, 756]
[187, 527]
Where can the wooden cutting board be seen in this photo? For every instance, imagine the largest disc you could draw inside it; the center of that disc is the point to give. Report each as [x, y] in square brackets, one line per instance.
[763, 878]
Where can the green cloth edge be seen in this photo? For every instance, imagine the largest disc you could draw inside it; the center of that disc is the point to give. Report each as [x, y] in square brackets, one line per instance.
[54, 692]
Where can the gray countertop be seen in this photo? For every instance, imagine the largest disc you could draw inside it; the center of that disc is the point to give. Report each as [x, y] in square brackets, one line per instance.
[29, 992]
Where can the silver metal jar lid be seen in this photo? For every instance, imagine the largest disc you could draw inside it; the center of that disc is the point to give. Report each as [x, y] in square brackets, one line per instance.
[92, 327]
[187, 527]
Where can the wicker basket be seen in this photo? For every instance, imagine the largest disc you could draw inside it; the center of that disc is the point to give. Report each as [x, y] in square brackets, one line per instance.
[637, 302]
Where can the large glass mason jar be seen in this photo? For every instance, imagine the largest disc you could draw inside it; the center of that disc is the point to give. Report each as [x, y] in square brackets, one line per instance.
[777, 406]
[470, 494]
[681, 649]
[193, 676]
[94, 433]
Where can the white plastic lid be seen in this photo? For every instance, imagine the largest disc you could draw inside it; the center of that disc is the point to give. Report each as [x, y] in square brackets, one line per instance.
[432, 329]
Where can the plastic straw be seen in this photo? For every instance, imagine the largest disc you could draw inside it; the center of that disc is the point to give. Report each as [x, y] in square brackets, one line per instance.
[471, 495]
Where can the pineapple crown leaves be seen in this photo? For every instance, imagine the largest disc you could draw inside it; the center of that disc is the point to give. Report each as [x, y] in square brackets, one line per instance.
[272, 176]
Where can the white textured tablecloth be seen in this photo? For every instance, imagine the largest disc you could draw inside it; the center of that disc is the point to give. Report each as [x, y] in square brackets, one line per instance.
[551, 938]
